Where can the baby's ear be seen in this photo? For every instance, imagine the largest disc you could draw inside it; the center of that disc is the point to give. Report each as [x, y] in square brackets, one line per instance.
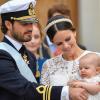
[98, 70]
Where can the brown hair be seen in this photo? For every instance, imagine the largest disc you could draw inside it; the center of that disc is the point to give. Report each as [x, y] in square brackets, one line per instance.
[59, 8]
[63, 24]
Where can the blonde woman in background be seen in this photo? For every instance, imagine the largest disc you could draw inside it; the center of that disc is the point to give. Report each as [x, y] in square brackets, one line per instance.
[38, 48]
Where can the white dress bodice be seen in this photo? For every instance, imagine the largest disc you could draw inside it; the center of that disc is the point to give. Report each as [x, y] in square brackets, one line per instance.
[57, 71]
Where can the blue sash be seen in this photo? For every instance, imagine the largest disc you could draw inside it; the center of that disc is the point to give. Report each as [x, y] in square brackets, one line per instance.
[21, 64]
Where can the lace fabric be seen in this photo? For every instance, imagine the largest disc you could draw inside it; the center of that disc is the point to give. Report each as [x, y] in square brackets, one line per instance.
[57, 71]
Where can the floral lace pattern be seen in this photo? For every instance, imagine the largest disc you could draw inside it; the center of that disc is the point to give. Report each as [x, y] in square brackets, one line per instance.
[57, 71]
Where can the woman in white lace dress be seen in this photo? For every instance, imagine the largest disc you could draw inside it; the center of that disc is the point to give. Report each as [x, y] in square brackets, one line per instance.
[62, 68]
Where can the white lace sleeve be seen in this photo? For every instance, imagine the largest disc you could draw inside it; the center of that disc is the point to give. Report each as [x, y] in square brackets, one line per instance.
[45, 77]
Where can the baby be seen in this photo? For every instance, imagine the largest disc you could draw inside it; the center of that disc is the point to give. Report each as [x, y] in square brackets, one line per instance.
[89, 70]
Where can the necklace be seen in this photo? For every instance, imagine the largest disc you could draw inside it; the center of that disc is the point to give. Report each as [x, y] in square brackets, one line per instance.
[37, 70]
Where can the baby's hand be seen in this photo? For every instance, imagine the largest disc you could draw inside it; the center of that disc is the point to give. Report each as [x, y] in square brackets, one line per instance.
[75, 83]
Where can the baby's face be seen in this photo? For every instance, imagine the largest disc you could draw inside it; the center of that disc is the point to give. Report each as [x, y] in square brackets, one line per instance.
[87, 70]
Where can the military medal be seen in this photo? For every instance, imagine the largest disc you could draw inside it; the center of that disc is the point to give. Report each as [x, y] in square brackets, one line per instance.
[25, 58]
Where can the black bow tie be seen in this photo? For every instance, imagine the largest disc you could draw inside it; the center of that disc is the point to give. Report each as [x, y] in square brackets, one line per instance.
[23, 52]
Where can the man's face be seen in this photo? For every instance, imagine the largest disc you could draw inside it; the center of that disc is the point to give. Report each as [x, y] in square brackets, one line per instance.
[21, 32]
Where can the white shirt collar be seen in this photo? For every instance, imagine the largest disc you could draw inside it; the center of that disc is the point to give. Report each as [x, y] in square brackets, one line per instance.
[14, 42]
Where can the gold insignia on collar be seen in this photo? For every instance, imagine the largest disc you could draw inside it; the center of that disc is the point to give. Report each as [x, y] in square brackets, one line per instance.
[31, 10]
[25, 58]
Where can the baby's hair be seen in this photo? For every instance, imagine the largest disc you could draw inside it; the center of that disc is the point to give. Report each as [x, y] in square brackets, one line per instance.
[95, 56]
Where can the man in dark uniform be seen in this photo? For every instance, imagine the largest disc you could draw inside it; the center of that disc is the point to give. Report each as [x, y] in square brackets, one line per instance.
[17, 81]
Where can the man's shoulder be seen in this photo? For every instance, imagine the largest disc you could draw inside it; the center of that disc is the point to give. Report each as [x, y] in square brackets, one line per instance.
[4, 53]
[4, 56]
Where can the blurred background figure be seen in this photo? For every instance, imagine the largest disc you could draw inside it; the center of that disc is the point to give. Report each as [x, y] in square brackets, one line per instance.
[38, 48]
[58, 9]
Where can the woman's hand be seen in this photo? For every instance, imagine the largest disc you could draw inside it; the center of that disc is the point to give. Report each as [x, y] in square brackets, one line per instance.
[78, 94]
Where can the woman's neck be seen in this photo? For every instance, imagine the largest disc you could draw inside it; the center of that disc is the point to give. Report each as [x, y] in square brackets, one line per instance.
[74, 55]
[36, 54]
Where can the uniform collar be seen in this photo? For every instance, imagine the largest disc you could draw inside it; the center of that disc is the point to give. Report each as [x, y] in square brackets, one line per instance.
[16, 44]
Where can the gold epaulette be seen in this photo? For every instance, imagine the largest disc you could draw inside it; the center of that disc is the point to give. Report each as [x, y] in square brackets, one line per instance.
[45, 91]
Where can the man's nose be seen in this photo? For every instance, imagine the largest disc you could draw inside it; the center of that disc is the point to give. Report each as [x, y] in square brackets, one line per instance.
[30, 25]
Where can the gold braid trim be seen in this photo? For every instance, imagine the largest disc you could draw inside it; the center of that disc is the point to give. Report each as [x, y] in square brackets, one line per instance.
[23, 18]
[45, 91]
[49, 93]
[41, 90]
[31, 14]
